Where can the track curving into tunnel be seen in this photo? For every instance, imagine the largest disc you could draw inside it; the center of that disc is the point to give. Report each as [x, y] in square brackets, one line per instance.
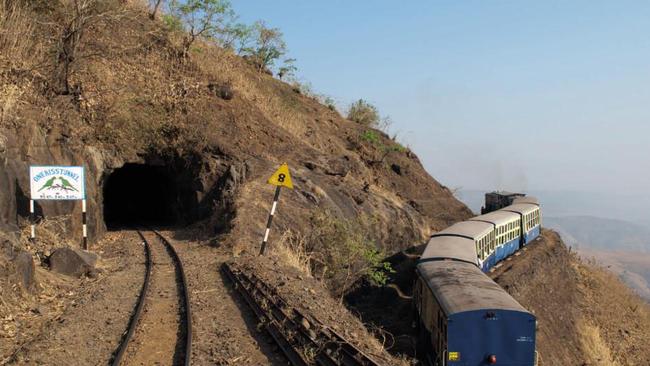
[163, 333]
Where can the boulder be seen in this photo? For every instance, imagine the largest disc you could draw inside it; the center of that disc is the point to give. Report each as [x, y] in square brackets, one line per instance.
[72, 262]
[24, 269]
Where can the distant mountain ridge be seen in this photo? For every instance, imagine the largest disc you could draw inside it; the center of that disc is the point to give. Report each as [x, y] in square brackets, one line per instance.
[601, 233]
[616, 205]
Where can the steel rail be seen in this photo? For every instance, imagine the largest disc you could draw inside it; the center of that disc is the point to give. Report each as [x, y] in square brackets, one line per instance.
[135, 317]
[186, 297]
[303, 339]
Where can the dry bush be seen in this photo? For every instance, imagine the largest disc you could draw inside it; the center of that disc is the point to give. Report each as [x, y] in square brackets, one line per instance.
[50, 234]
[292, 248]
[364, 113]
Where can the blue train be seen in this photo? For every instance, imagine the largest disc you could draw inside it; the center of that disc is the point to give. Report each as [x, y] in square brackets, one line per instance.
[465, 318]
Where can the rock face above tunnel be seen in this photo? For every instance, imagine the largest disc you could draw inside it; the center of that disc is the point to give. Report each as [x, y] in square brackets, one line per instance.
[72, 262]
[173, 118]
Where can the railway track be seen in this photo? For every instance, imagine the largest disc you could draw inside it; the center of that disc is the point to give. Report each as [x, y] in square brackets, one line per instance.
[304, 340]
[163, 334]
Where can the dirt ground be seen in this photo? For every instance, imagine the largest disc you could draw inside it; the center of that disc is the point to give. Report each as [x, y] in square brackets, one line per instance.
[80, 321]
[86, 326]
[586, 316]
[224, 330]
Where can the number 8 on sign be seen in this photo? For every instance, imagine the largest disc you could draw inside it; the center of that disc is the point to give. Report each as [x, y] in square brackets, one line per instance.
[281, 177]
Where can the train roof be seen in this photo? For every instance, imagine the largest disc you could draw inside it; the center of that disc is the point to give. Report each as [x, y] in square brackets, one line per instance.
[461, 287]
[522, 208]
[497, 217]
[506, 193]
[450, 247]
[468, 229]
[527, 199]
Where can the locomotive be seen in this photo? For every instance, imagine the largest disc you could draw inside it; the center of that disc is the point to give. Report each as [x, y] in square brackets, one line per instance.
[465, 318]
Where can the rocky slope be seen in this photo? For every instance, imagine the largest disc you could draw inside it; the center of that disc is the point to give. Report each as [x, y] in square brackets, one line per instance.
[133, 99]
[211, 121]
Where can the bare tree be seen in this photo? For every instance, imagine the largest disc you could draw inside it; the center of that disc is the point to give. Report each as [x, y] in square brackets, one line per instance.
[79, 15]
[156, 7]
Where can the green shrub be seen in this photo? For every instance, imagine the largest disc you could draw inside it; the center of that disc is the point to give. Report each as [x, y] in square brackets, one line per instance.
[370, 136]
[342, 251]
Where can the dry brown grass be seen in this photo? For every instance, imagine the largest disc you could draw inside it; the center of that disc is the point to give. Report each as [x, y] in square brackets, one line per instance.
[275, 99]
[50, 234]
[9, 97]
[19, 48]
[291, 247]
[594, 347]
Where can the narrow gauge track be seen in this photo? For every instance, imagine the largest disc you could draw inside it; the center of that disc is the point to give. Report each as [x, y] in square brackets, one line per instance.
[304, 340]
[164, 334]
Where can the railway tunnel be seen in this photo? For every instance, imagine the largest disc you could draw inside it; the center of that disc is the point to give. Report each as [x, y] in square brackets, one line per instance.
[138, 195]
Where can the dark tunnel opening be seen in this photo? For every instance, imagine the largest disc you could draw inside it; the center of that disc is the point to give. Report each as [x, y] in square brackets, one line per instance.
[138, 195]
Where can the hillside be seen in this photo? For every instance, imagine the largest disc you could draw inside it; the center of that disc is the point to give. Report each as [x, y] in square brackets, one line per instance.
[136, 100]
[633, 268]
[203, 132]
[586, 316]
[196, 136]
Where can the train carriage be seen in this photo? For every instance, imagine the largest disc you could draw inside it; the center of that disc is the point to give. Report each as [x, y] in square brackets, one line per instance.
[466, 319]
[507, 231]
[530, 220]
[456, 242]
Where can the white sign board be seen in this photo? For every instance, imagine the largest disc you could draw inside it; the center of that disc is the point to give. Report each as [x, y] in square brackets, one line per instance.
[57, 183]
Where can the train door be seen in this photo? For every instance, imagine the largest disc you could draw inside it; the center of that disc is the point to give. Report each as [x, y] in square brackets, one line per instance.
[522, 231]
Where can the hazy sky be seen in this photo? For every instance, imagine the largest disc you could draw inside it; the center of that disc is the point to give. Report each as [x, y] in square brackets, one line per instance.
[490, 94]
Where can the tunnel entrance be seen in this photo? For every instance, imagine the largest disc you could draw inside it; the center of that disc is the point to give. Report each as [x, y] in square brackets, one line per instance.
[146, 195]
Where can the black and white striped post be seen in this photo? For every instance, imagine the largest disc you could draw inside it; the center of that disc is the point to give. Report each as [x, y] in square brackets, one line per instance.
[32, 221]
[281, 178]
[83, 224]
[268, 223]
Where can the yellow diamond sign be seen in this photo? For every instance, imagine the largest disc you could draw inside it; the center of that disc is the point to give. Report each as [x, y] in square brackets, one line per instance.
[281, 177]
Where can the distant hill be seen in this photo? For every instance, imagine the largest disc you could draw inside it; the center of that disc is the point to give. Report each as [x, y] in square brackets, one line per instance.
[600, 233]
[623, 247]
[622, 206]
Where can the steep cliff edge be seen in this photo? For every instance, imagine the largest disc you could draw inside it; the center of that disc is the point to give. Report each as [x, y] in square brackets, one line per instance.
[586, 316]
